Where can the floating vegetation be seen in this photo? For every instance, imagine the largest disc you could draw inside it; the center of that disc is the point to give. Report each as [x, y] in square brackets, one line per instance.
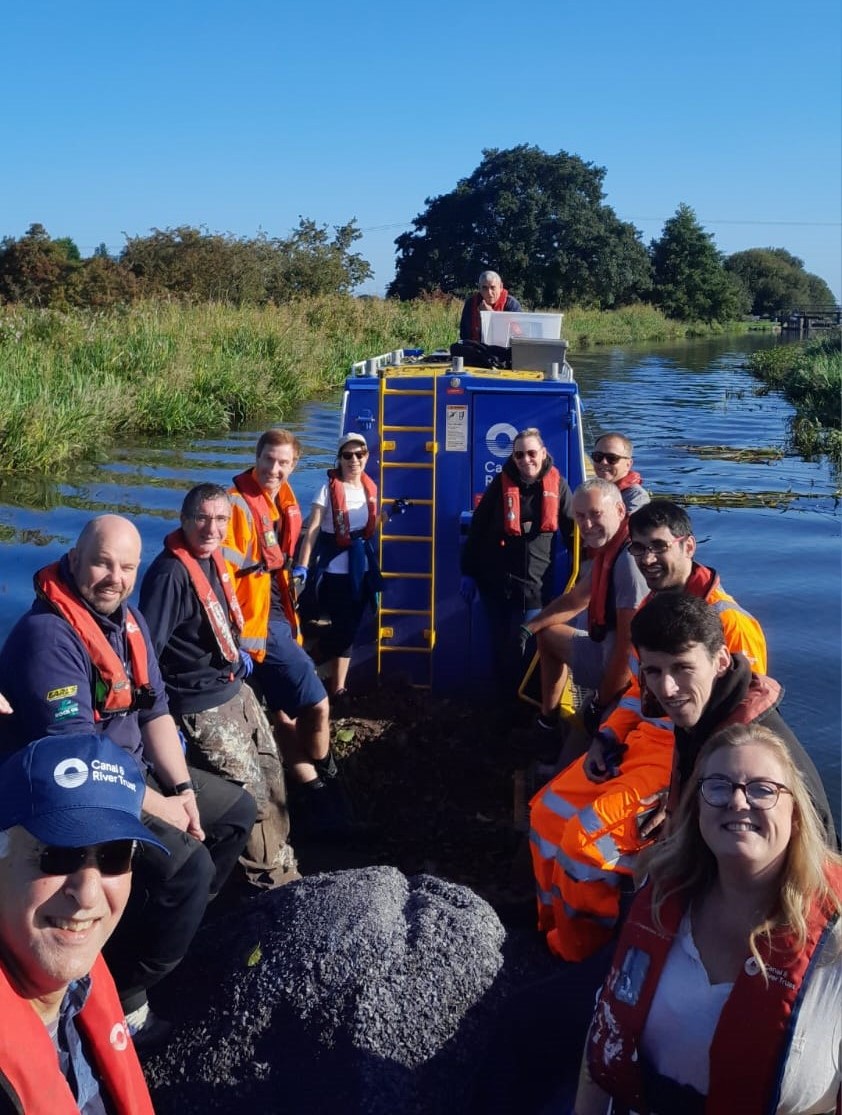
[725, 499]
[732, 453]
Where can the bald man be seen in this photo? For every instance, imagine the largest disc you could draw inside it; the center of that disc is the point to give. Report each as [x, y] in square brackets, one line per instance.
[82, 661]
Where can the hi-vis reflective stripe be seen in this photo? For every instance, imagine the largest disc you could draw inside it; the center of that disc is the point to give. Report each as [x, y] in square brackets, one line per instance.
[577, 870]
[548, 898]
[557, 804]
[252, 642]
[610, 854]
[234, 557]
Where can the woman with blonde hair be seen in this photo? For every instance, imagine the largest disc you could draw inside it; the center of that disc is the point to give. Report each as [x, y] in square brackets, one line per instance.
[725, 992]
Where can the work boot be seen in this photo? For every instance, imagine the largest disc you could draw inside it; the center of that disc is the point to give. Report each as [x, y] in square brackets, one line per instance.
[146, 1029]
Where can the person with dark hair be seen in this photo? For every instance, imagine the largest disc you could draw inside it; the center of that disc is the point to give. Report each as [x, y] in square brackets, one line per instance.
[724, 992]
[82, 660]
[70, 822]
[588, 814]
[492, 295]
[260, 548]
[524, 516]
[340, 540]
[188, 600]
[612, 460]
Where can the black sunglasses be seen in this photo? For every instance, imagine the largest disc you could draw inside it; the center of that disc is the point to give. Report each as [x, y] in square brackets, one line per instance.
[358, 453]
[519, 454]
[599, 457]
[112, 858]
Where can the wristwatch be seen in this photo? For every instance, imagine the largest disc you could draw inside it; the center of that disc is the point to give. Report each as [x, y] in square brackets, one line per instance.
[182, 788]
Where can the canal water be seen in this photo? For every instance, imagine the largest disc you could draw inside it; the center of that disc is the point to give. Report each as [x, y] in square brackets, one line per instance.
[770, 527]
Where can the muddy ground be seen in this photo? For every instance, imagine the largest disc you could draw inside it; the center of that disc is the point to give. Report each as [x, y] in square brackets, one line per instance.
[440, 786]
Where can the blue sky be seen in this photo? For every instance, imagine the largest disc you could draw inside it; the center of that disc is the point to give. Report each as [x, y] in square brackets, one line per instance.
[244, 116]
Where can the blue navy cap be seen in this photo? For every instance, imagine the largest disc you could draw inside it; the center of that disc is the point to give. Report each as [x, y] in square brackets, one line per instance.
[72, 791]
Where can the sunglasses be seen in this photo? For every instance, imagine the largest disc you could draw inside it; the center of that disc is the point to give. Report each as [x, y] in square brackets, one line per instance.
[658, 547]
[519, 454]
[351, 454]
[112, 858]
[599, 458]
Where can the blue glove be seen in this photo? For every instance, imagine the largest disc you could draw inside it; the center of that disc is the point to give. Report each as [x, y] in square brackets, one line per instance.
[400, 506]
[468, 589]
[299, 573]
[247, 661]
[182, 740]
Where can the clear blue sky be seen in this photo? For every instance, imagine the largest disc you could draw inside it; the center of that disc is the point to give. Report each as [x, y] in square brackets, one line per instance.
[244, 115]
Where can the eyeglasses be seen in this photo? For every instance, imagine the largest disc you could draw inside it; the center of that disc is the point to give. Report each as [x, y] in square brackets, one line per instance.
[609, 458]
[211, 520]
[349, 456]
[112, 858]
[532, 454]
[657, 547]
[760, 793]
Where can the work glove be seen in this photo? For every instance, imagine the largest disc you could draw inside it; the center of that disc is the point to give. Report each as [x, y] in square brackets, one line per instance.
[468, 589]
[592, 716]
[247, 661]
[400, 506]
[299, 573]
[525, 636]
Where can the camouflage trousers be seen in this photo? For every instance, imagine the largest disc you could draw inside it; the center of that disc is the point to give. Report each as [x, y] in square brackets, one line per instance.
[235, 741]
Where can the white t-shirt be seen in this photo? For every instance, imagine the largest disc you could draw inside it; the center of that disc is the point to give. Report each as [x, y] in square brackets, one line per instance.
[686, 1008]
[357, 505]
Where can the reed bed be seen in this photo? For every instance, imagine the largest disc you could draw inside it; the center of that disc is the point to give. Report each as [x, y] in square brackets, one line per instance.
[72, 384]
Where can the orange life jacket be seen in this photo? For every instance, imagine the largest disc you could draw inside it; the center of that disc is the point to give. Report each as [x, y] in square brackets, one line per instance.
[339, 507]
[274, 551]
[601, 608]
[754, 1032]
[117, 692]
[629, 480]
[28, 1058]
[550, 496]
[221, 624]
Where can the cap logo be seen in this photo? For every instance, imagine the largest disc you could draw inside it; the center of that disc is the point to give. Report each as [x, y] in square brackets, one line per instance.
[71, 773]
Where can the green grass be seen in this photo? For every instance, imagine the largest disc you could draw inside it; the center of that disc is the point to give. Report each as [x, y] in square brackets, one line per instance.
[809, 375]
[72, 384]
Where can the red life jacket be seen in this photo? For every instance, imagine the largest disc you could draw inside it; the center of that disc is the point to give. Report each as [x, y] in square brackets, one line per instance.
[601, 609]
[221, 624]
[119, 690]
[274, 551]
[550, 496]
[753, 1035]
[28, 1057]
[476, 320]
[629, 480]
[339, 507]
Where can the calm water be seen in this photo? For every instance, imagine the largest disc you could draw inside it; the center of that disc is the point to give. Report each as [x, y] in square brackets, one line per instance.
[778, 550]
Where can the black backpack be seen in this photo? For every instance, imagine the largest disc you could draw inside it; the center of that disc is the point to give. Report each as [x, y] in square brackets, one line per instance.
[479, 355]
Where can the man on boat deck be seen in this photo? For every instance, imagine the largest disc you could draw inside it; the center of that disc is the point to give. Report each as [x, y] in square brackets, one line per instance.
[596, 649]
[188, 600]
[584, 822]
[491, 295]
[82, 660]
[612, 460]
[259, 547]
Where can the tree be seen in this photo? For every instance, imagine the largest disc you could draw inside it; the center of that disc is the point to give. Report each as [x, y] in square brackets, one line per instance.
[777, 282]
[310, 262]
[539, 220]
[35, 269]
[100, 283]
[691, 283]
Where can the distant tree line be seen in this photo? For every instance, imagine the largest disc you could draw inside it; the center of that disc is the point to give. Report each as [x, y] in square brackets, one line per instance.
[539, 219]
[184, 262]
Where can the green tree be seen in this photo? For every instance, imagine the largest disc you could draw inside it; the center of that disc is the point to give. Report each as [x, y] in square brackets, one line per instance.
[34, 269]
[691, 283]
[777, 282]
[100, 283]
[538, 219]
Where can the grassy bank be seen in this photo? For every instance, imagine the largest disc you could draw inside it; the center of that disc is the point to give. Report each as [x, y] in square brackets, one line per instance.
[71, 384]
[809, 375]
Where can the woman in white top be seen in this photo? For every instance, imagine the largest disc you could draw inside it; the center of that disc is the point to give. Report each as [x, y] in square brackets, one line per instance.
[725, 993]
[339, 540]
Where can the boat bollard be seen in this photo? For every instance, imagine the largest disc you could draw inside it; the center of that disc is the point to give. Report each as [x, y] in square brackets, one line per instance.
[371, 369]
[458, 365]
[552, 372]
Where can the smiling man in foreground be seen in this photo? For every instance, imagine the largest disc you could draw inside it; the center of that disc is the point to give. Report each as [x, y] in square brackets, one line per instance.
[69, 823]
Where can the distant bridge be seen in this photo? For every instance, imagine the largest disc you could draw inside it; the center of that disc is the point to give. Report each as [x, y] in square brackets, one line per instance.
[804, 321]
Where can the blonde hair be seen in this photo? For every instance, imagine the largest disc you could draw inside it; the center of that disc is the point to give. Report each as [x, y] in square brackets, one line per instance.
[683, 863]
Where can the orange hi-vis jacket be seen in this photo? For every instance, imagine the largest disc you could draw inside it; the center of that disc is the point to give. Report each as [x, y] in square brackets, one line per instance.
[247, 542]
[584, 837]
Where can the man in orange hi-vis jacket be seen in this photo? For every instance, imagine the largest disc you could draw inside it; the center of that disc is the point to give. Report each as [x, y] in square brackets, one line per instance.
[589, 822]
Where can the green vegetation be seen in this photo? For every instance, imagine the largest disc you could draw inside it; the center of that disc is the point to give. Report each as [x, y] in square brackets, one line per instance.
[809, 375]
[690, 280]
[74, 383]
[776, 283]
